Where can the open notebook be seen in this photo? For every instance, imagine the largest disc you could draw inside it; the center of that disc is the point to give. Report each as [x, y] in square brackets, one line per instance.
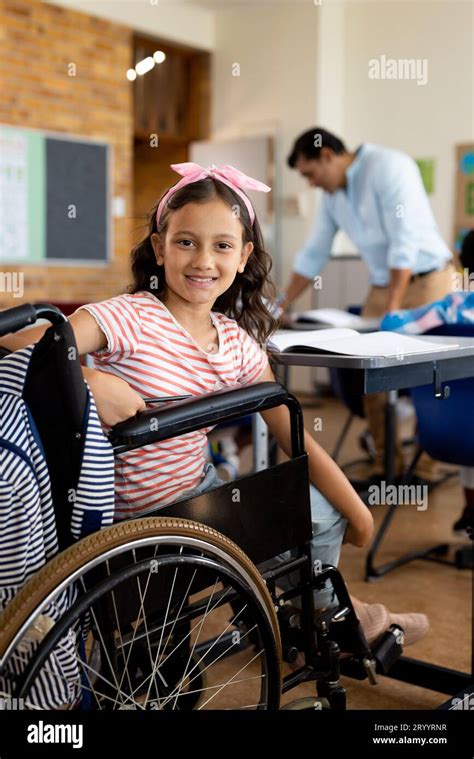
[335, 317]
[351, 343]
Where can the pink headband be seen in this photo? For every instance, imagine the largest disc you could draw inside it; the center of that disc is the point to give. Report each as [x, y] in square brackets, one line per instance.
[233, 178]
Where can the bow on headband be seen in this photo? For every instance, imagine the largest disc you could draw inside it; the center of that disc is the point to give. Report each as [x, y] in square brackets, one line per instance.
[232, 177]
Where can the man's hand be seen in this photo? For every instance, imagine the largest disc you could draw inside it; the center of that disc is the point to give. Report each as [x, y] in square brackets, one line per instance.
[297, 285]
[114, 398]
[285, 321]
[399, 281]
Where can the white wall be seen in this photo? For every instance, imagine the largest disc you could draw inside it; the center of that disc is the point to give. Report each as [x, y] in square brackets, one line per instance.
[182, 23]
[425, 121]
[276, 92]
[331, 85]
[303, 65]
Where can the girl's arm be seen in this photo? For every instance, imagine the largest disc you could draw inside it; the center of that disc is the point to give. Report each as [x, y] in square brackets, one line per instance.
[89, 337]
[25, 337]
[115, 399]
[323, 473]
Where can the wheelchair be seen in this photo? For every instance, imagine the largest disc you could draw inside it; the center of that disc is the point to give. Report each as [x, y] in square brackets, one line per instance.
[185, 609]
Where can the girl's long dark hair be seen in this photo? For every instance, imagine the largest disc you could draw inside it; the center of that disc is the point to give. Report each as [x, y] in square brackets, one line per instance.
[245, 300]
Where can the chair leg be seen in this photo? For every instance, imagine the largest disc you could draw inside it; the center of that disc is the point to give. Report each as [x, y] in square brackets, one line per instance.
[429, 554]
[339, 443]
[371, 571]
[342, 436]
[408, 475]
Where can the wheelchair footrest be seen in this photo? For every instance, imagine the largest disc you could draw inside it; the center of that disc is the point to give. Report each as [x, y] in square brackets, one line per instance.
[388, 649]
[384, 653]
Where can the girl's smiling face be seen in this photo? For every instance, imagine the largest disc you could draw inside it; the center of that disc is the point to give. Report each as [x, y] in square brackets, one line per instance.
[202, 252]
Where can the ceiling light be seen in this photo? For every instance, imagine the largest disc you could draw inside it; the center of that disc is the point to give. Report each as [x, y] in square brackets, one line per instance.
[142, 67]
[159, 56]
[131, 75]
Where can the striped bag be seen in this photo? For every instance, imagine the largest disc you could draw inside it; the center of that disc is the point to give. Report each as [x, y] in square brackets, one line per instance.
[28, 535]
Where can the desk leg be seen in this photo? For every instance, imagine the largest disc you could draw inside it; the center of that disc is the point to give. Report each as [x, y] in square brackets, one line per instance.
[390, 436]
[371, 572]
[282, 373]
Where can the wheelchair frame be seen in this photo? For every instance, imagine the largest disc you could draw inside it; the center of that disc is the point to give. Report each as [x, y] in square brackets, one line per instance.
[263, 500]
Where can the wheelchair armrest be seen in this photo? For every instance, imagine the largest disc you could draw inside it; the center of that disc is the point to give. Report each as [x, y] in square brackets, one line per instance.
[207, 410]
[18, 317]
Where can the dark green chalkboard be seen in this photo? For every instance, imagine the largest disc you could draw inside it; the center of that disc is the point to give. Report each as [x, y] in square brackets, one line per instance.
[54, 198]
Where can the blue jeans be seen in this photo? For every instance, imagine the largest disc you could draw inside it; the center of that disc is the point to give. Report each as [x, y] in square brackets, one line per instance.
[328, 531]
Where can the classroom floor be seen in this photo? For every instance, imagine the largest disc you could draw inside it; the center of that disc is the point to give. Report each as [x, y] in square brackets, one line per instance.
[442, 592]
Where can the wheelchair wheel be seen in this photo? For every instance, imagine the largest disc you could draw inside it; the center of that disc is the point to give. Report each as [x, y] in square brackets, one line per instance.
[145, 614]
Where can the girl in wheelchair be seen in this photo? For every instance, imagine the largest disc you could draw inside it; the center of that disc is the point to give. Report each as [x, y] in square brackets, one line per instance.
[196, 319]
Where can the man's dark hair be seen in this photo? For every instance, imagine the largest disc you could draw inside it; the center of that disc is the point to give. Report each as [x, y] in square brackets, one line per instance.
[467, 252]
[310, 143]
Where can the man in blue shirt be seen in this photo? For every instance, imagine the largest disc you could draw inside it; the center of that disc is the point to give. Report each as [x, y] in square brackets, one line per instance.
[376, 196]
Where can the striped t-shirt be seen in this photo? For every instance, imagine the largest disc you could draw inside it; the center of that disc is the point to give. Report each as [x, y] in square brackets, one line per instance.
[148, 348]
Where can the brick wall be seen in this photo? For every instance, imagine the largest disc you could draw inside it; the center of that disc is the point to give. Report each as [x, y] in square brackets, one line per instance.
[37, 42]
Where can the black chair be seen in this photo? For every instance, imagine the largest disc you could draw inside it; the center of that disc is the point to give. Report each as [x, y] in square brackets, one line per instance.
[444, 432]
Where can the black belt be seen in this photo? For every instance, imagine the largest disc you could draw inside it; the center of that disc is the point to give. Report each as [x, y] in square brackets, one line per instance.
[423, 274]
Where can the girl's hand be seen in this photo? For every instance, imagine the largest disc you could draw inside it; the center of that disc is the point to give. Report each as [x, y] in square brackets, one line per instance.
[114, 398]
